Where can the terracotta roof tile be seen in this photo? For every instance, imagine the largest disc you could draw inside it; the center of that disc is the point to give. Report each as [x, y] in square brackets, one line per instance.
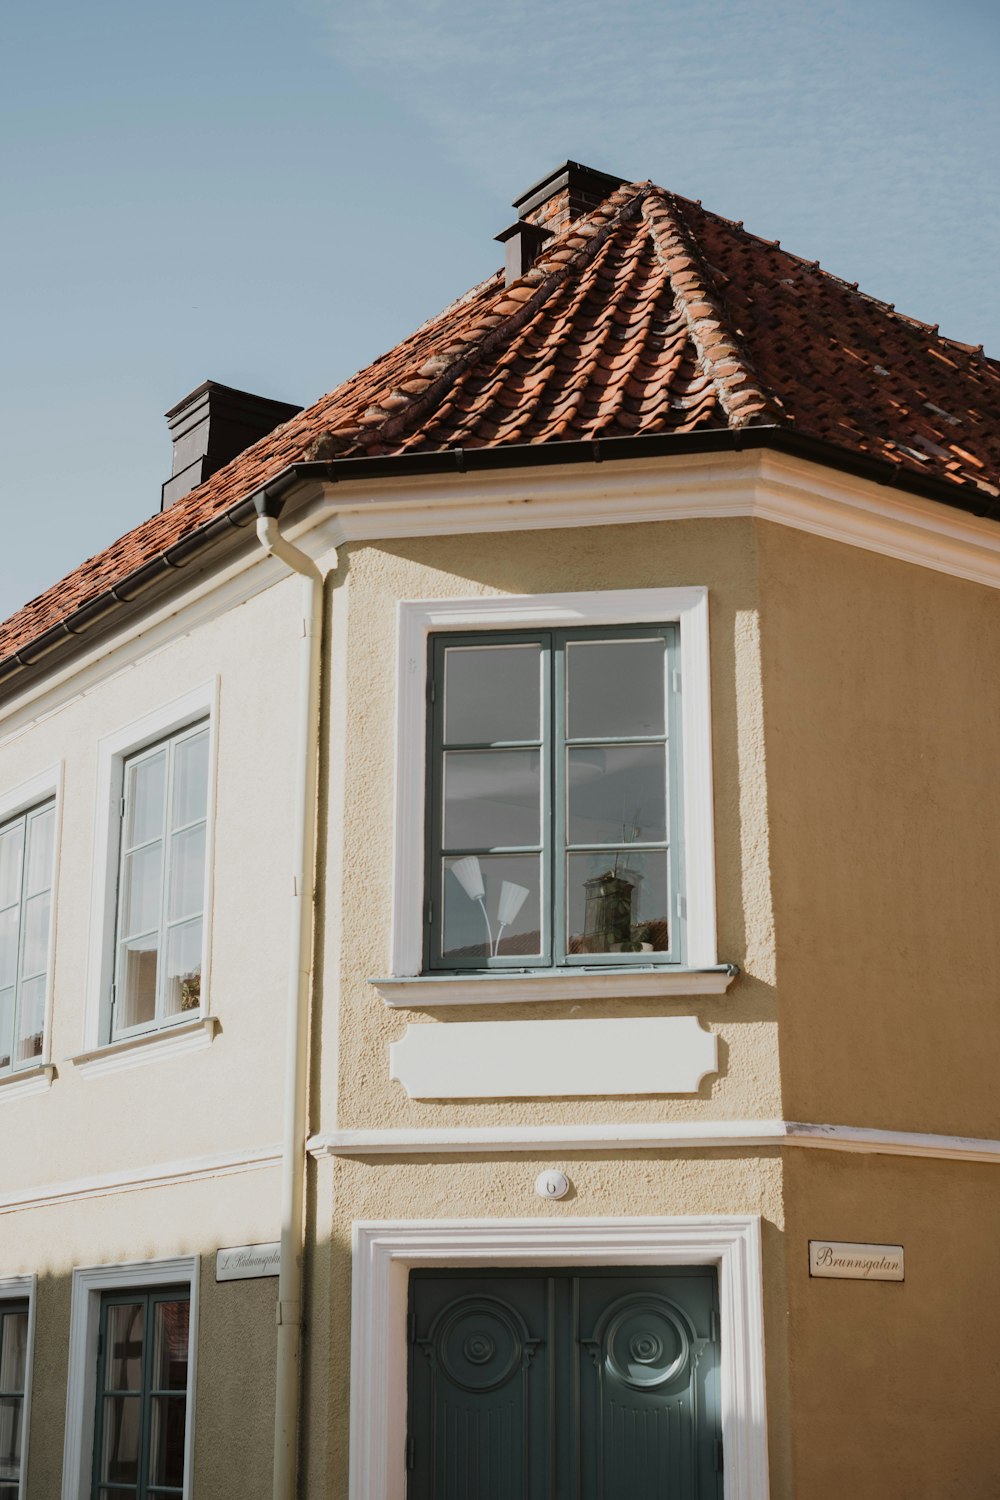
[649, 315]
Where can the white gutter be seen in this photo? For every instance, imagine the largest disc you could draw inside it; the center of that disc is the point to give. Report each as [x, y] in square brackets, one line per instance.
[294, 1127]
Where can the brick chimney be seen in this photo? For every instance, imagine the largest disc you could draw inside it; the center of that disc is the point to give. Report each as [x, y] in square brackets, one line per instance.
[565, 194]
[547, 207]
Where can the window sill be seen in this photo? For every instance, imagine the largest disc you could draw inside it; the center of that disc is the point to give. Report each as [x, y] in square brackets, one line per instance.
[152, 1046]
[562, 984]
[34, 1080]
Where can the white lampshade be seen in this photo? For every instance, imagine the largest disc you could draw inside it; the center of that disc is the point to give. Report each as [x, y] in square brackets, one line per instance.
[512, 898]
[470, 877]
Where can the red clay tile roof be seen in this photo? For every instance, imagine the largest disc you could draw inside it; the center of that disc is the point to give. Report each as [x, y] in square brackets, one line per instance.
[649, 315]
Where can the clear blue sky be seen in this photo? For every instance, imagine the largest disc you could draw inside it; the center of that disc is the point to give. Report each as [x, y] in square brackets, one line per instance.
[272, 194]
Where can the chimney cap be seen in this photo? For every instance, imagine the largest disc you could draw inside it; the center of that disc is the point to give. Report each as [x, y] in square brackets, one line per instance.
[572, 175]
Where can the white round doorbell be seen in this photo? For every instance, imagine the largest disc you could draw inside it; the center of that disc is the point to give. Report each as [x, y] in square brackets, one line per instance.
[552, 1184]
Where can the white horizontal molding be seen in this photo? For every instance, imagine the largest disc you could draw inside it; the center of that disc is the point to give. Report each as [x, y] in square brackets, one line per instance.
[133, 1179]
[152, 1046]
[564, 984]
[504, 1139]
[37, 1080]
[667, 1135]
[771, 486]
[547, 1059]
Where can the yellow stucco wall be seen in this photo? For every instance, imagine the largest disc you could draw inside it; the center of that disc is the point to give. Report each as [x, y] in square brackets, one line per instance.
[883, 741]
[373, 578]
[894, 1385]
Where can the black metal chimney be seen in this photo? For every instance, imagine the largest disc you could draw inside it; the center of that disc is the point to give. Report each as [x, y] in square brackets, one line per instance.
[521, 242]
[212, 425]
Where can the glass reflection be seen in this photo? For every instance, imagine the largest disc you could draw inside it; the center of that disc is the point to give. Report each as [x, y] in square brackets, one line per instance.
[616, 794]
[492, 693]
[126, 1326]
[120, 1446]
[615, 689]
[618, 904]
[491, 798]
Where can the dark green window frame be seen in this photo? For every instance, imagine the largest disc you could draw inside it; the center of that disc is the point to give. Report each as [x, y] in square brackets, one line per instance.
[12, 1394]
[553, 848]
[145, 1395]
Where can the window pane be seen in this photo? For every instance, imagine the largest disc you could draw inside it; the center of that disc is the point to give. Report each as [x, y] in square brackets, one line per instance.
[137, 982]
[11, 849]
[187, 872]
[8, 945]
[141, 891]
[492, 693]
[6, 1026]
[615, 688]
[126, 1328]
[10, 1436]
[190, 780]
[491, 797]
[617, 793]
[35, 945]
[183, 984]
[38, 876]
[166, 1440]
[145, 782]
[13, 1352]
[170, 1345]
[491, 906]
[618, 903]
[120, 1439]
[31, 1025]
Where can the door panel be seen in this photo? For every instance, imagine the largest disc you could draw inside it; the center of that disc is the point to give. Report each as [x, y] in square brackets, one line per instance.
[564, 1385]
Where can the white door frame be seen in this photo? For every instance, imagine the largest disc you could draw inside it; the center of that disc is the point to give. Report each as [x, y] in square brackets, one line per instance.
[385, 1251]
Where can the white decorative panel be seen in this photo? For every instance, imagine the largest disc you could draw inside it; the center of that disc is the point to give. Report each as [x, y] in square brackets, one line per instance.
[541, 1059]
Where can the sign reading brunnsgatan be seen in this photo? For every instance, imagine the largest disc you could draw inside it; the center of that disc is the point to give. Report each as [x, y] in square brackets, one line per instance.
[850, 1262]
[244, 1261]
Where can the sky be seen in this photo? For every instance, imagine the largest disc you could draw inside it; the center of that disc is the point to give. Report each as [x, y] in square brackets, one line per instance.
[270, 195]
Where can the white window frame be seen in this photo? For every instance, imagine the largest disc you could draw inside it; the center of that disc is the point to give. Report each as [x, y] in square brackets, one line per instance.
[46, 786]
[417, 620]
[89, 1282]
[100, 1053]
[386, 1251]
[19, 1289]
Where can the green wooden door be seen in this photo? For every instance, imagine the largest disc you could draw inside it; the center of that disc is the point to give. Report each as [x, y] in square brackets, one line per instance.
[564, 1385]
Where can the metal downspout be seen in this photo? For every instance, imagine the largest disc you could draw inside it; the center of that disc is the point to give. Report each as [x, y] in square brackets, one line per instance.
[290, 1273]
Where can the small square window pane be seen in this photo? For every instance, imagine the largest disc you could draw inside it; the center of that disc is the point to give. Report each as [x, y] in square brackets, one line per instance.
[617, 793]
[38, 875]
[120, 1439]
[618, 902]
[31, 1026]
[492, 907]
[190, 795]
[35, 943]
[491, 798]
[126, 1331]
[166, 1440]
[9, 930]
[137, 982]
[170, 1345]
[145, 784]
[183, 978]
[13, 1352]
[141, 890]
[6, 1026]
[615, 689]
[492, 693]
[10, 1436]
[11, 850]
[187, 873]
